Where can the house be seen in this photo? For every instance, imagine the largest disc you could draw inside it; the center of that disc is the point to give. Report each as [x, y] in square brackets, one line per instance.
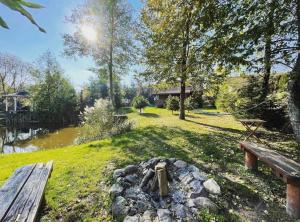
[161, 96]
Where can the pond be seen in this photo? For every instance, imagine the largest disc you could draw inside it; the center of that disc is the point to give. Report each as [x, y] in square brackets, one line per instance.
[32, 138]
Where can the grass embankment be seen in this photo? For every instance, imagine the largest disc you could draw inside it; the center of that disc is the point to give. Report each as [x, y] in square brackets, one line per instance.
[78, 188]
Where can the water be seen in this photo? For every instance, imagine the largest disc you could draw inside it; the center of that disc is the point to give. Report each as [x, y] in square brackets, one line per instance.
[28, 139]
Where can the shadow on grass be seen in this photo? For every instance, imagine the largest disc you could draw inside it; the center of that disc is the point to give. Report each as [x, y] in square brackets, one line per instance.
[151, 115]
[224, 129]
[213, 154]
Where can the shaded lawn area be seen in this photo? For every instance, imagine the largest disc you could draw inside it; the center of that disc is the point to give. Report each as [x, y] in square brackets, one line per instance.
[78, 188]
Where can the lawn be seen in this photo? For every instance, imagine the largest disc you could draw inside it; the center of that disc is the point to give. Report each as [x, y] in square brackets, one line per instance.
[78, 187]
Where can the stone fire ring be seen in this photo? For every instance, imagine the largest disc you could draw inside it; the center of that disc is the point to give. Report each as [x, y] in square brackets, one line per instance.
[189, 190]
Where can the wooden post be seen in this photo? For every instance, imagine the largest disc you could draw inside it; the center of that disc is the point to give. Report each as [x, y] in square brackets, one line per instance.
[15, 104]
[250, 161]
[6, 104]
[161, 172]
[293, 199]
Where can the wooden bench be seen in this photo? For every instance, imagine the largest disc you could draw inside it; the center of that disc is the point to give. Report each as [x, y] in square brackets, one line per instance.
[284, 168]
[23, 193]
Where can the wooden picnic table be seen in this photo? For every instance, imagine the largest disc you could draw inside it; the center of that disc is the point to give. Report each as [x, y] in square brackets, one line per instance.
[252, 125]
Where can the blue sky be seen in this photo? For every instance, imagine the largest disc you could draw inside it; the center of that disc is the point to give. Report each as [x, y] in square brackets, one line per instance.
[25, 41]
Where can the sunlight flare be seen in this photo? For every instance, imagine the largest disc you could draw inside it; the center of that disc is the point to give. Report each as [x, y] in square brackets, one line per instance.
[89, 33]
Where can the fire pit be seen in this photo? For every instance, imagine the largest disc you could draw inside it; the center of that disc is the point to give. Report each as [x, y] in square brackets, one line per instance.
[161, 189]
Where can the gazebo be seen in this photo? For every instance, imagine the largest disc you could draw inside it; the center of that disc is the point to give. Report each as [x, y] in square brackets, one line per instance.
[15, 96]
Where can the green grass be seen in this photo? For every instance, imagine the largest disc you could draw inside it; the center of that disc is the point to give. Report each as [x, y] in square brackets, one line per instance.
[78, 187]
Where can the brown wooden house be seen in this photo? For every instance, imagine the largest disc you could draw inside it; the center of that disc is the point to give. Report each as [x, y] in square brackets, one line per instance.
[161, 96]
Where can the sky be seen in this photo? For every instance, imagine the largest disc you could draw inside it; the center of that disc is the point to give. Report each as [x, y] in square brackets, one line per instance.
[25, 41]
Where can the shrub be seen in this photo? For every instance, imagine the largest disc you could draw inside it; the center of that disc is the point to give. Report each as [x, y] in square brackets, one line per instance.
[172, 103]
[189, 104]
[139, 102]
[99, 121]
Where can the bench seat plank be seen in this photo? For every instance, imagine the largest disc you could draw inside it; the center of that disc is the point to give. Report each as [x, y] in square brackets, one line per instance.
[26, 205]
[12, 188]
[288, 169]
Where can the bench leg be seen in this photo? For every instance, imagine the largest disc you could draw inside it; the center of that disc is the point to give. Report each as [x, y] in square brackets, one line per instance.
[250, 161]
[293, 199]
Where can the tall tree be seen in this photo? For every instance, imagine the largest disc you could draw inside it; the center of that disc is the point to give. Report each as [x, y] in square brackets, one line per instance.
[260, 34]
[111, 23]
[14, 73]
[175, 34]
[53, 97]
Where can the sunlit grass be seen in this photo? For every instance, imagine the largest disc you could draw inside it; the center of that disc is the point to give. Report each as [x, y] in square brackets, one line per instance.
[81, 176]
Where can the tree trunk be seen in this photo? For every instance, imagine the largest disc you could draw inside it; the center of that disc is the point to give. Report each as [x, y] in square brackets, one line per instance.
[267, 67]
[268, 53]
[182, 98]
[294, 87]
[110, 66]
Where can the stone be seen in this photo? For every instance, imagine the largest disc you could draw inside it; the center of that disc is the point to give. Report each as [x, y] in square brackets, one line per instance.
[172, 160]
[212, 187]
[199, 175]
[164, 215]
[142, 206]
[132, 178]
[180, 164]
[116, 190]
[180, 211]
[183, 174]
[149, 216]
[198, 193]
[187, 179]
[122, 182]
[135, 218]
[178, 197]
[195, 185]
[119, 207]
[130, 169]
[118, 173]
[203, 202]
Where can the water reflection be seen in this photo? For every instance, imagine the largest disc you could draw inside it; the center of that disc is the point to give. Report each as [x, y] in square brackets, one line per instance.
[32, 138]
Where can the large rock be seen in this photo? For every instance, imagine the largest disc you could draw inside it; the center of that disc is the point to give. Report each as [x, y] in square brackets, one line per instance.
[199, 175]
[203, 202]
[149, 216]
[164, 215]
[119, 208]
[116, 190]
[135, 218]
[132, 178]
[180, 164]
[118, 173]
[131, 169]
[212, 187]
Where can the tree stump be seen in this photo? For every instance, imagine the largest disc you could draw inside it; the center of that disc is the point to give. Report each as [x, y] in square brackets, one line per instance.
[161, 172]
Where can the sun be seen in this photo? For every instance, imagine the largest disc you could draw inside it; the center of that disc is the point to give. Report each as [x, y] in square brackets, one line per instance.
[89, 33]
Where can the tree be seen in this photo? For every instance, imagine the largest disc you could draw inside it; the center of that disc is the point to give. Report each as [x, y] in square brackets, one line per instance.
[259, 34]
[110, 22]
[140, 103]
[189, 104]
[14, 73]
[174, 35]
[172, 103]
[53, 97]
[19, 7]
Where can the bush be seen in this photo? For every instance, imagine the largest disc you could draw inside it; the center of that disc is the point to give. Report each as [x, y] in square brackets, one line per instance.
[189, 104]
[246, 101]
[139, 102]
[172, 103]
[99, 121]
